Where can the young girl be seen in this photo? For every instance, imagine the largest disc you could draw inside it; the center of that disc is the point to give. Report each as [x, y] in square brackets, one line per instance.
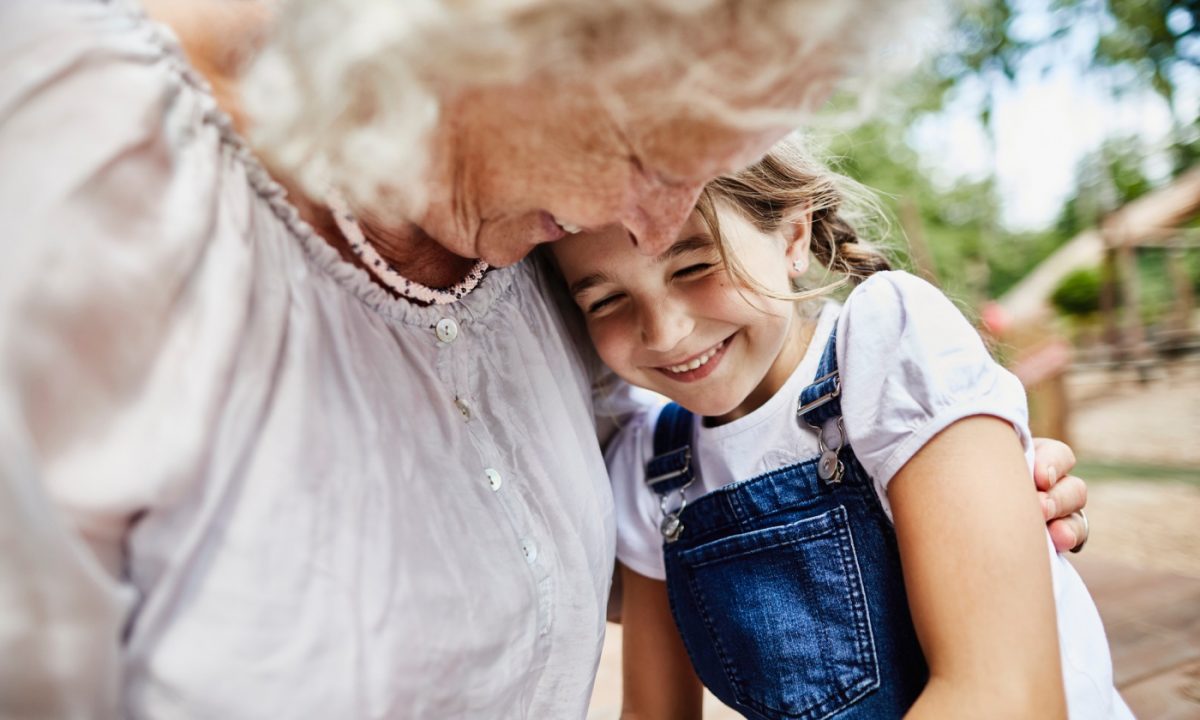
[794, 522]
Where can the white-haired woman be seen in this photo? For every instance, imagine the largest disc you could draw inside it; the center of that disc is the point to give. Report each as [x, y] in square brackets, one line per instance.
[329, 452]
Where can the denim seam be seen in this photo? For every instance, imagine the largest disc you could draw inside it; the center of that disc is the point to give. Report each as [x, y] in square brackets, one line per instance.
[825, 523]
[867, 652]
[737, 506]
[731, 674]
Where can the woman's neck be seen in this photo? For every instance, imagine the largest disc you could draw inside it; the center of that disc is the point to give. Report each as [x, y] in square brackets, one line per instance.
[405, 246]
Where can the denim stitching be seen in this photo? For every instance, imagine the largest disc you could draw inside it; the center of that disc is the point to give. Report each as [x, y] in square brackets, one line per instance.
[697, 592]
[710, 521]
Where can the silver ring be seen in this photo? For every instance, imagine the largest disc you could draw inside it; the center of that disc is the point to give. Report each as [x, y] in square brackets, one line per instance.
[1087, 531]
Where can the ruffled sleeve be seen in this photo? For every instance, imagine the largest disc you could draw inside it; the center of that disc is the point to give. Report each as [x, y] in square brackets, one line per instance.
[911, 366]
[107, 360]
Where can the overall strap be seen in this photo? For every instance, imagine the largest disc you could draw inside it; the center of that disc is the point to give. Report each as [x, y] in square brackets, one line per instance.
[820, 404]
[670, 470]
[822, 400]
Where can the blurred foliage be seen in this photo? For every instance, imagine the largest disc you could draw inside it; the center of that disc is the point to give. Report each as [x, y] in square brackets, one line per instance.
[1078, 294]
[1106, 179]
[1152, 37]
[1137, 44]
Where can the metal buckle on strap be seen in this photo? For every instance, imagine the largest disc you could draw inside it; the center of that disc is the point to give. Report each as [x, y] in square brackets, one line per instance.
[671, 526]
[837, 390]
[830, 467]
[663, 477]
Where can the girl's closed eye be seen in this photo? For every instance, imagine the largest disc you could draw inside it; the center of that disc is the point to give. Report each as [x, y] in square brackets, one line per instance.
[694, 270]
[605, 303]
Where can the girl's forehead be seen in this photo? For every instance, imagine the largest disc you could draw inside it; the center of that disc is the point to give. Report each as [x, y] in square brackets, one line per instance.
[612, 250]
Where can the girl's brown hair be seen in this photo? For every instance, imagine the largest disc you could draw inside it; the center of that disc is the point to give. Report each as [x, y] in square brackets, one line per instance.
[782, 187]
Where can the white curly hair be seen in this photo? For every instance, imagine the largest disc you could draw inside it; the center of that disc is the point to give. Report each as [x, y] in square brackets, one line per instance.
[346, 92]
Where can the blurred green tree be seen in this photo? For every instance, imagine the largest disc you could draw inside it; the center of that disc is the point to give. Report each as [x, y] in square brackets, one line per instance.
[1135, 43]
[1078, 294]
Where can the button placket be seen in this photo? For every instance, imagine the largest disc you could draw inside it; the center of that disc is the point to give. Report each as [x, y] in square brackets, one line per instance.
[459, 369]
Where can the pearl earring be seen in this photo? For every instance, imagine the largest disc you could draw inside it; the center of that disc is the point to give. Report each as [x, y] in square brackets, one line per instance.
[798, 266]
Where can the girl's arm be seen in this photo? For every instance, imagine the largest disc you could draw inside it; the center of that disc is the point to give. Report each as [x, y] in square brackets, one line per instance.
[976, 568]
[657, 675]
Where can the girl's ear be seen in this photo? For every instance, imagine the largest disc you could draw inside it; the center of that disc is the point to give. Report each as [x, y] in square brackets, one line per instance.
[798, 232]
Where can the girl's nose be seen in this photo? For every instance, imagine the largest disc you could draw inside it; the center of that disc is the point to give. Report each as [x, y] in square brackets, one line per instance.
[661, 211]
[664, 325]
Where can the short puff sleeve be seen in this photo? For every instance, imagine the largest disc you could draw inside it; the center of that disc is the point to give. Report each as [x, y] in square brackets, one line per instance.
[911, 366]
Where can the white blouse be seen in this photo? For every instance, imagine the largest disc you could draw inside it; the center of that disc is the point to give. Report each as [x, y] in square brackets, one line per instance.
[237, 478]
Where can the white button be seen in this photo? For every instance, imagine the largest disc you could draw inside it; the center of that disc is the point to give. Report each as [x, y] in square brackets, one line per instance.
[493, 478]
[447, 330]
[529, 550]
[463, 407]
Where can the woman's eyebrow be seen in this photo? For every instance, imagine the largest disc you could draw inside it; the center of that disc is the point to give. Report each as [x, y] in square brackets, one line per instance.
[682, 247]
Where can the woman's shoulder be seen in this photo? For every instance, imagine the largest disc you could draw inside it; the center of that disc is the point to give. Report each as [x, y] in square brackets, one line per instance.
[109, 54]
[96, 95]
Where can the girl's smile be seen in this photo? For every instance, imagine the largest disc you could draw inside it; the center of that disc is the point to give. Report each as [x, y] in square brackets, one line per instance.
[698, 366]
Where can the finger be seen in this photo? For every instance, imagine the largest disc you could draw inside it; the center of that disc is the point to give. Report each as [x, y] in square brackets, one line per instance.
[1045, 479]
[1068, 495]
[1051, 459]
[1049, 508]
[1066, 533]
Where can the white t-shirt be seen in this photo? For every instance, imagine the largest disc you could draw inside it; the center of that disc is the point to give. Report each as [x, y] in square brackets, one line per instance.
[911, 365]
[237, 478]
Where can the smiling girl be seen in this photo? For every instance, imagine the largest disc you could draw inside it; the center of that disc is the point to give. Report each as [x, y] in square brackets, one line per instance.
[792, 529]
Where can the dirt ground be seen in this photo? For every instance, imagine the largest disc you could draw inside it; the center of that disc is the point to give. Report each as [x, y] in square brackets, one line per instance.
[1117, 418]
[1135, 428]
[1142, 441]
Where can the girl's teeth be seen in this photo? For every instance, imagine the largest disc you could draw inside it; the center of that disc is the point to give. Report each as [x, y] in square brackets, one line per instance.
[567, 226]
[696, 362]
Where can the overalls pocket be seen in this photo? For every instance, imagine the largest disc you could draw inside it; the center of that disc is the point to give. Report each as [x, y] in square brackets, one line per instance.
[785, 610]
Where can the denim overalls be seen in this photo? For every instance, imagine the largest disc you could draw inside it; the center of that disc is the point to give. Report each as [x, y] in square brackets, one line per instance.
[787, 587]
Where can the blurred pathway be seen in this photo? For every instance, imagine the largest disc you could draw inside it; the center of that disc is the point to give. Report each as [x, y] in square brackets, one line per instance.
[1153, 623]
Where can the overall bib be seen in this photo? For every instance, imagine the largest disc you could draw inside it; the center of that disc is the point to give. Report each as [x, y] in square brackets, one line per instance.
[787, 587]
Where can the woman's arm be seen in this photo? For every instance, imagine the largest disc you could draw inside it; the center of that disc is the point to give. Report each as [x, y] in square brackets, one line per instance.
[976, 568]
[657, 675]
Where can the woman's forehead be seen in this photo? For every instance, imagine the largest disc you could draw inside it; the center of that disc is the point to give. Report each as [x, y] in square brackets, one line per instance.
[689, 150]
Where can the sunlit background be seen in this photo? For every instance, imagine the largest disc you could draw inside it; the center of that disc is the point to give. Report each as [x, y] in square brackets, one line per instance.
[1044, 170]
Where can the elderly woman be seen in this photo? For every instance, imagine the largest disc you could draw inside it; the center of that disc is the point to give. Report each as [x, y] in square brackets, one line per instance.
[287, 431]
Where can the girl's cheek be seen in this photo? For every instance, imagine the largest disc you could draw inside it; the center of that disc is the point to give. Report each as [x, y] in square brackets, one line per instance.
[608, 341]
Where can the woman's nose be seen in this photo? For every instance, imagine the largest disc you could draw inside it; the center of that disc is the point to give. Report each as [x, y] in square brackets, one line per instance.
[661, 211]
[664, 325]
